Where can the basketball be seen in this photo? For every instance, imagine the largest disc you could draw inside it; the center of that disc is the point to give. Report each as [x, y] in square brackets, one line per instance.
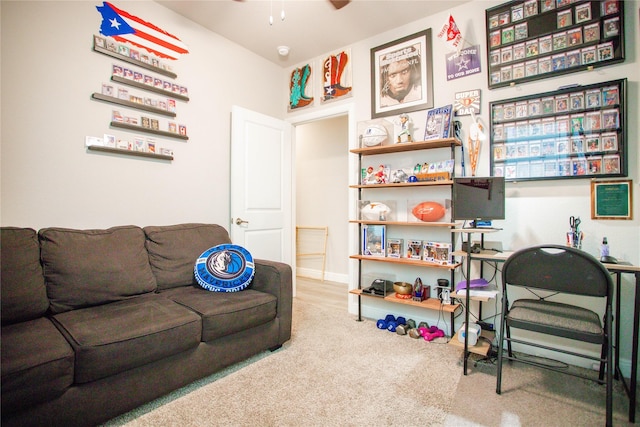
[428, 211]
[374, 135]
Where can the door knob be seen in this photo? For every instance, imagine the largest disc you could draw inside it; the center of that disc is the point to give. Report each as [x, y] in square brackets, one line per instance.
[240, 221]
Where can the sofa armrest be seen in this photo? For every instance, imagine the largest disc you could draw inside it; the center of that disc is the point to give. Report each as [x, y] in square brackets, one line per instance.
[276, 278]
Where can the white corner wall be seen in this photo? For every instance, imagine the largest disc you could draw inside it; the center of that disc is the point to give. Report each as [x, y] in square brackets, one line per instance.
[49, 72]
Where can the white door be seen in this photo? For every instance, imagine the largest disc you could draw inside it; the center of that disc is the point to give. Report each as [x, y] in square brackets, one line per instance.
[261, 185]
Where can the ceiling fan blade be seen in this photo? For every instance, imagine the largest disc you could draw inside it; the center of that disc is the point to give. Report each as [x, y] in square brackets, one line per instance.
[339, 4]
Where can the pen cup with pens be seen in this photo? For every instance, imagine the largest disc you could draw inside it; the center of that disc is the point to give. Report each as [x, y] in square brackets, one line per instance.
[574, 235]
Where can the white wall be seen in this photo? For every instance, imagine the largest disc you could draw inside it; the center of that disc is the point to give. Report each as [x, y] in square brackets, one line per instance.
[538, 211]
[48, 74]
[321, 196]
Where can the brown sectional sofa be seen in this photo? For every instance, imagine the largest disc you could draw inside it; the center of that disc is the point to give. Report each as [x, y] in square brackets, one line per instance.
[98, 322]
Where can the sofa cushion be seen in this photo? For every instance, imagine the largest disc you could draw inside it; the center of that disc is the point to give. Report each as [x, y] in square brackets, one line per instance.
[24, 295]
[84, 268]
[226, 313]
[174, 249]
[37, 364]
[115, 337]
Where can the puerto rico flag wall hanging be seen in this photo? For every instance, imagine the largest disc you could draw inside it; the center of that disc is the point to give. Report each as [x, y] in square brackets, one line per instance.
[127, 28]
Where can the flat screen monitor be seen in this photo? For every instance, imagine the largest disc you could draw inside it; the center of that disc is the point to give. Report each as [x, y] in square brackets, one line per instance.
[478, 198]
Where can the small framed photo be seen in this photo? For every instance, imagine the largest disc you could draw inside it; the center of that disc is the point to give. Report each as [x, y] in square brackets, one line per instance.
[610, 119]
[562, 146]
[610, 95]
[593, 98]
[611, 27]
[518, 52]
[610, 7]
[594, 165]
[591, 33]
[609, 141]
[576, 101]
[588, 55]
[562, 125]
[575, 36]
[494, 21]
[583, 12]
[593, 121]
[564, 19]
[107, 89]
[605, 51]
[182, 130]
[611, 164]
[517, 13]
[560, 40]
[573, 58]
[530, 8]
[504, 18]
[508, 35]
[521, 31]
[562, 103]
[592, 142]
[612, 199]
[545, 45]
[99, 41]
[374, 240]
[547, 5]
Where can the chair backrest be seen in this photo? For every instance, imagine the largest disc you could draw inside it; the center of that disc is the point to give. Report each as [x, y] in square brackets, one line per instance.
[557, 268]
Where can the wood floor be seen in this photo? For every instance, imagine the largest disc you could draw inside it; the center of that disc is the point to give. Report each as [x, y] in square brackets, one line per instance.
[322, 293]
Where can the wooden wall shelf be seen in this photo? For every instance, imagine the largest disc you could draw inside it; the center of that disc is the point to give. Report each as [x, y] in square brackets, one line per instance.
[136, 128]
[129, 152]
[118, 101]
[149, 88]
[135, 62]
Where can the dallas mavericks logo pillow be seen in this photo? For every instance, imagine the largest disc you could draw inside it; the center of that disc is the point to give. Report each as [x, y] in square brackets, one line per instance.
[224, 268]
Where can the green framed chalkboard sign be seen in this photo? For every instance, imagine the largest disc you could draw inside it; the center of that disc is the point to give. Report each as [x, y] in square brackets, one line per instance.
[611, 199]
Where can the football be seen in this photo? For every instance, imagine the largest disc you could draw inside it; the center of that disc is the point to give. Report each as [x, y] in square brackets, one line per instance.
[428, 211]
[374, 135]
[375, 211]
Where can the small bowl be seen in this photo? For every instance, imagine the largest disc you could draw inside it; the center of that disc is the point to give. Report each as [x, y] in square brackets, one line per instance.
[403, 288]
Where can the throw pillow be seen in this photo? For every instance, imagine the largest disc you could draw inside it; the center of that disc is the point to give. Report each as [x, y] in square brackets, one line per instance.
[224, 268]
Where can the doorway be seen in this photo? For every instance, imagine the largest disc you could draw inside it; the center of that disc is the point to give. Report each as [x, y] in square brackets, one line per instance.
[321, 194]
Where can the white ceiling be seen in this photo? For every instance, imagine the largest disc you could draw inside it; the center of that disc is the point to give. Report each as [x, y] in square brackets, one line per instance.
[310, 28]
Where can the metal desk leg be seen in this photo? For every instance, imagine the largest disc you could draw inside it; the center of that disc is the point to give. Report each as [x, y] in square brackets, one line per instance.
[466, 309]
[634, 351]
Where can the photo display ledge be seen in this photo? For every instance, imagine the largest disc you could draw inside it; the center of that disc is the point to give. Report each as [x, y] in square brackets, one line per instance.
[574, 132]
[535, 39]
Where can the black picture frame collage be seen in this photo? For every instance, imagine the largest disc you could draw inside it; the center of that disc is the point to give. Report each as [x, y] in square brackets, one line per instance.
[576, 132]
[535, 39]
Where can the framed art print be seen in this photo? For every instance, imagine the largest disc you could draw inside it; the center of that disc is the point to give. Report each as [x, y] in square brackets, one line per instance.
[402, 75]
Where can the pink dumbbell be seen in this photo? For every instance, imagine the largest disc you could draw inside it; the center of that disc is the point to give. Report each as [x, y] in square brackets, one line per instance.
[431, 335]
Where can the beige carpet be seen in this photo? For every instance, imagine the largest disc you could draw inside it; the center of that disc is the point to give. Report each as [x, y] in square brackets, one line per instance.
[336, 371]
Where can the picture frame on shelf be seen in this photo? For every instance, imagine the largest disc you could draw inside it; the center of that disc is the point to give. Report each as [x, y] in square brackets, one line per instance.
[438, 125]
[374, 242]
[402, 75]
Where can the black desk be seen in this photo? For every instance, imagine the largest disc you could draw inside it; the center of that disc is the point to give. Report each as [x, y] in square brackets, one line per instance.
[630, 389]
[618, 270]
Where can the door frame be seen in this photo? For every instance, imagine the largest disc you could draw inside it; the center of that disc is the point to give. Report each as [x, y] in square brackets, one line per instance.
[347, 109]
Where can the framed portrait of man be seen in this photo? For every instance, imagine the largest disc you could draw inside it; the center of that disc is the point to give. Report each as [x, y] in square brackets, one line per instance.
[402, 75]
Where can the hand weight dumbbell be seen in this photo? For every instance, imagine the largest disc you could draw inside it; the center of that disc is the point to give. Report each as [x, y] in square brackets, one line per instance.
[384, 323]
[404, 329]
[430, 336]
[392, 326]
